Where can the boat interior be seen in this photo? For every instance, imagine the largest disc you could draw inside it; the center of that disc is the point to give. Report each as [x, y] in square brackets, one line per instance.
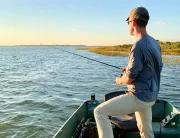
[165, 121]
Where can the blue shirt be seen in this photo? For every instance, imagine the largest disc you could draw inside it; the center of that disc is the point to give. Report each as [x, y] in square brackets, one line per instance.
[144, 66]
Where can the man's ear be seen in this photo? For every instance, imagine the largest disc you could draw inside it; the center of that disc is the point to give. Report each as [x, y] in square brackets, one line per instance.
[134, 23]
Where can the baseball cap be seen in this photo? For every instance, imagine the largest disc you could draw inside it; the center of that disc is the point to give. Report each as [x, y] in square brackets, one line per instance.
[139, 13]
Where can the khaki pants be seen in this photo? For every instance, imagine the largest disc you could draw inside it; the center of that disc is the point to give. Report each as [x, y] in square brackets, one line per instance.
[121, 105]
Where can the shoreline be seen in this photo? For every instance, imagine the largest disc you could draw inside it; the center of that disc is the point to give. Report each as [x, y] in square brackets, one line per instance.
[167, 48]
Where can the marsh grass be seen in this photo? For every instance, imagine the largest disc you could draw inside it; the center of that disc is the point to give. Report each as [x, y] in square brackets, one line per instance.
[167, 48]
[121, 50]
[171, 51]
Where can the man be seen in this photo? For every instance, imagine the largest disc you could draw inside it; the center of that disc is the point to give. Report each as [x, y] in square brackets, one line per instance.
[142, 76]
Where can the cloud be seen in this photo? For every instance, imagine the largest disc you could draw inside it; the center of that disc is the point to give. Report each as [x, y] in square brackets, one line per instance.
[160, 22]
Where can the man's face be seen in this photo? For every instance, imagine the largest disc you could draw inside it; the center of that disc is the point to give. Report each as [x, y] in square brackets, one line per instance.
[131, 28]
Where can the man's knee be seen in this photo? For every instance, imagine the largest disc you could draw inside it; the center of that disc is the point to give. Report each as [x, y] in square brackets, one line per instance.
[97, 110]
[139, 126]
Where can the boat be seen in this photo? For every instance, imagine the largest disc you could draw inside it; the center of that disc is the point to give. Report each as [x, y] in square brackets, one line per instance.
[81, 124]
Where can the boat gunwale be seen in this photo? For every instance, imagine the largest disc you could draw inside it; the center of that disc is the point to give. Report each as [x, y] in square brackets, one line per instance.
[60, 129]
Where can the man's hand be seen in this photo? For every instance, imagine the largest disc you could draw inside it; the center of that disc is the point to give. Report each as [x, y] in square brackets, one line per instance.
[124, 79]
[123, 69]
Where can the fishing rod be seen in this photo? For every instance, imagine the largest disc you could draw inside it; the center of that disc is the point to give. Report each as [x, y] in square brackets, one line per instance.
[89, 58]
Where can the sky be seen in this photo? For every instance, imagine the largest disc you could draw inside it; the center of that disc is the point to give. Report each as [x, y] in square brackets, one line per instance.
[83, 22]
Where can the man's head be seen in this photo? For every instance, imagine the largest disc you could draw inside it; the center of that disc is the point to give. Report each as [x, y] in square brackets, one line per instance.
[139, 17]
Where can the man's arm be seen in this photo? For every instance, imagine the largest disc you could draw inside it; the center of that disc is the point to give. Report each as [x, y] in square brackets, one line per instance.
[124, 79]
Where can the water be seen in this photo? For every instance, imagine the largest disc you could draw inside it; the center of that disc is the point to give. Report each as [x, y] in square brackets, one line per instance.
[42, 86]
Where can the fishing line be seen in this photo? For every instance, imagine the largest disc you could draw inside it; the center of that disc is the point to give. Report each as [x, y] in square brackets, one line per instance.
[88, 58]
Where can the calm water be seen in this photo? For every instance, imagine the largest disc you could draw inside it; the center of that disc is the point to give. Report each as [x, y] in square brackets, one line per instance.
[42, 86]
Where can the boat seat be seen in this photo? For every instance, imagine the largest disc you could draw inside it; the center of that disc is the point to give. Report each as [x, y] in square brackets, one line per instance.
[124, 122]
